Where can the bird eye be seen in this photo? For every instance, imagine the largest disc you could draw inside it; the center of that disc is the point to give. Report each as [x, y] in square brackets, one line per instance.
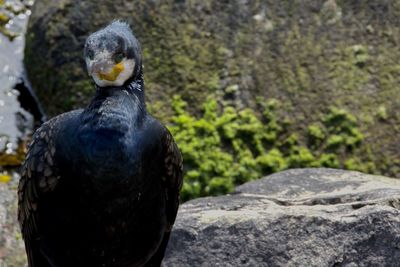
[119, 57]
[90, 54]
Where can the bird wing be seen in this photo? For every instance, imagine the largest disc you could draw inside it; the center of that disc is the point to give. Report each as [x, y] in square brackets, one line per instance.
[39, 175]
[172, 179]
[173, 176]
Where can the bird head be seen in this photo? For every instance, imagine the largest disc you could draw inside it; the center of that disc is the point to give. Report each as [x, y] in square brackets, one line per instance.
[112, 55]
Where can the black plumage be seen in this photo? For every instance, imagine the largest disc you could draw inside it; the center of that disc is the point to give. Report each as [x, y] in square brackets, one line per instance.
[100, 186]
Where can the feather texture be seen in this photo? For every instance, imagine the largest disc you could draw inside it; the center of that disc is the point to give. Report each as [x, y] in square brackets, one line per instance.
[100, 186]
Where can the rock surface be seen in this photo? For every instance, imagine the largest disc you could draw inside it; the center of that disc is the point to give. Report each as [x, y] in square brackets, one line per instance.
[12, 253]
[300, 217]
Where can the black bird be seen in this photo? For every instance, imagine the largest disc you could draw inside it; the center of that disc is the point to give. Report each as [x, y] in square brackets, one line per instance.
[100, 186]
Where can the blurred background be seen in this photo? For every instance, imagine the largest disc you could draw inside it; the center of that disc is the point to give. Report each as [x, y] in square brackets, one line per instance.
[247, 88]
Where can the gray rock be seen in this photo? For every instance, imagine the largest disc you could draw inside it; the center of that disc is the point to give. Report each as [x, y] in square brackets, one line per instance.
[300, 217]
[12, 252]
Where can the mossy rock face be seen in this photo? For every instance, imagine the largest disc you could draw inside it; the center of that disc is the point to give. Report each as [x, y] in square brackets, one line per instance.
[180, 55]
[324, 61]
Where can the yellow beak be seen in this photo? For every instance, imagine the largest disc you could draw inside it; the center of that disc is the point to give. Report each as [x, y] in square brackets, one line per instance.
[113, 74]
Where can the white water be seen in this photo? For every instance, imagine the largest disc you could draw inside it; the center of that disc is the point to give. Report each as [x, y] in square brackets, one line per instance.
[15, 122]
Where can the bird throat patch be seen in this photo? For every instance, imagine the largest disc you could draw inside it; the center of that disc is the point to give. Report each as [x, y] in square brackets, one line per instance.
[113, 74]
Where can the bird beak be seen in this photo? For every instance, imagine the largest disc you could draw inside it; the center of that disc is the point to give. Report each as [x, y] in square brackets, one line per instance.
[105, 71]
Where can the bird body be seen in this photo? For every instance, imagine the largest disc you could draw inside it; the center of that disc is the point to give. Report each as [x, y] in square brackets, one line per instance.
[100, 186]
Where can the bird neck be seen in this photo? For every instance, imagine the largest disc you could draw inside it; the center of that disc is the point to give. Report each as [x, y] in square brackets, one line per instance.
[123, 105]
[133, 86]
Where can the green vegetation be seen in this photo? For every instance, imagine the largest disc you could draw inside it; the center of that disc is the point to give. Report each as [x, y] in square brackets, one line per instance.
[226, 147]
[332, 81]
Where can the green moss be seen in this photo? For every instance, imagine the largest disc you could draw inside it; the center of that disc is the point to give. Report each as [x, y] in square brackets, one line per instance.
[343, 129]
[225, 147]
[222, 149]
[334, 142]
[271, 162]
[381, 113]
[301, 157]
[327, 160]
[219, 185]
[232, 89]
[358, 165]
[294, 96]
[316, 133]
[360, 55]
